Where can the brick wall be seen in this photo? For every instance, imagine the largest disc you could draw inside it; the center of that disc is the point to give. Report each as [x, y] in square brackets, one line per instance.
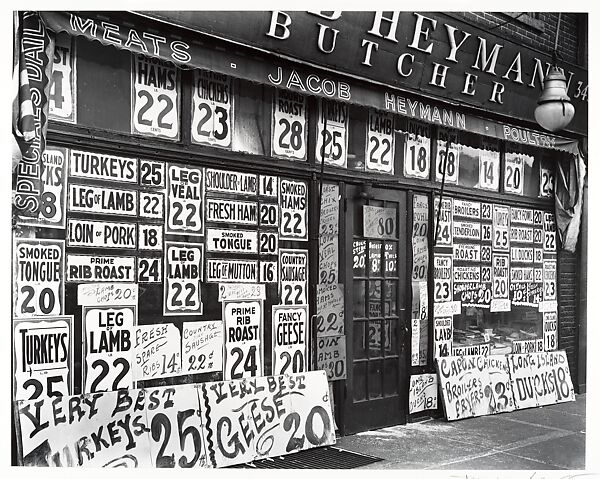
[568, 273]
[536, 30]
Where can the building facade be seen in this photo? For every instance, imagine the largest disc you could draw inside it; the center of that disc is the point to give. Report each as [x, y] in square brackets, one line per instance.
[354, 192]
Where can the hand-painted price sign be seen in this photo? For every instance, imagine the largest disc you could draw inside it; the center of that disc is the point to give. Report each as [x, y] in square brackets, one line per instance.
[38, 267]
[546, 182]
[442, 339]
[293, 276]
[231, 241]
[417, 160]
[330, 309]
[184, 203]
[331, 356]
[500, 276]
[379, 153]
[268, 186]
[290, 339]
[442, 278]
[549, 280]
[155, 98]
[212, 112]
[156, 351]
[501, 228]
[43, 357]
[152, 174]
[149, 270]
[150, 237]
[489, 170]
[231, 270]
[293, 201]
[450, 159]
[422, 393]
[202, 347]
[444, 228]
[183, 275]
[61, 99]
[514, 168]
[332, 134]
[233, 182]
[380, 223]
[107, 294]
[267, 272]
[550, 331]
[53, 196]
[289, 125]
[243, 339]
[96, 268]
[220, 210]
[108, 351]
[152, 205]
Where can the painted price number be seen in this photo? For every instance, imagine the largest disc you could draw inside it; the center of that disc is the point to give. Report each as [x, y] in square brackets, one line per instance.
[61, 97]
[185, 200]
[416, 157]
[267, 272]
[489, 170]
[268, 186]
[380, 142]
[513, 173]
[155, 98]
[546, 182]
[152, 174]
[289, 125]
[150, 237]
[450, 159]
[152, 205]
[268, 214]
[213, 108]
[332, 134]
[267, 243]
[149, 270]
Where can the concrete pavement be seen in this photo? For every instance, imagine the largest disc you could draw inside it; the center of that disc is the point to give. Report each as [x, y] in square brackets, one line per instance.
[545, 438]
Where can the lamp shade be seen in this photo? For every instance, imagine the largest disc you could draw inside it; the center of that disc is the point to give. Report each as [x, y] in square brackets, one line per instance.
[554, 111]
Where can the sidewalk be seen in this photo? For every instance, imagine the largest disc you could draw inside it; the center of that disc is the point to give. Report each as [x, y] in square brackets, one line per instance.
[549, 437]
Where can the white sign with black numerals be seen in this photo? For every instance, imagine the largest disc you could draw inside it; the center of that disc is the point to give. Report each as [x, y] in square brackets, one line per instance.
[549, 233]
[101, 234]
[108, 352]
[156, 351]
[212, 112]
[38, 267]
[184, 204]
[268, 243]
[152, 174]
[450, 159]
[379, 154]
[289, 125]
[489, 169]
[155, 98]
[332, 133]
[444, 225]
[546, 182]
[152, 205]
[149, 270]
[243, 339]
[268, 272]
[443, 336]
[417, 160]
[268, 214]
[268, 186]
[183, 275]
[550, 280]
[231, 241]
[550, 331]
[442, 278]
[290, 339]
[500, 283]
[293, 276]
[150, 237]
[61, 98]
[103, 200]
[293, 202]
[43, 357]
[514, 168]
[501, 228]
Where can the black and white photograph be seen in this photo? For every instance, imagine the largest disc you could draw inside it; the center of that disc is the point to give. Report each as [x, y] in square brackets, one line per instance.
[352, 239]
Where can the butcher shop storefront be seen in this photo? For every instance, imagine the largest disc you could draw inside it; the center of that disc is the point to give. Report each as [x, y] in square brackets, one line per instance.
[232, 244]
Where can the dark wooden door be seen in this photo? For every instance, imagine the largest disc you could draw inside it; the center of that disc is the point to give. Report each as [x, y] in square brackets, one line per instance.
[376, 313]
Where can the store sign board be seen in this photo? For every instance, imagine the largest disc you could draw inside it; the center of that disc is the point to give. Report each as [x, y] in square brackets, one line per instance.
[183, 275]
[521, 234]
[152, 174]
[185, 212]
[521, 216]
[230, 211]
[52, 211]
[155, 98]
[152, 205]
[290, 339]
[293, 203]
[108, 351]
[212, 111]
[102, 200]
[222, 181]
[331, 356]
[489, 169]
[202, 347]
[38, 288]
[231, 241]
[101, 234]
[519, 254]
[231, 270]
[243, 345]
[550, 280]
[267, 272]
[477, 295]
[156, 351]
[422, 393]
[481, 349]
[100, 268]
[330, 309]
[43, 357]
[293, 276]
[103, 166]
[528, 346]
[469, 252]
[466, 230]
[332, 134]
[379, 154]
[546, 182]
[289, 125]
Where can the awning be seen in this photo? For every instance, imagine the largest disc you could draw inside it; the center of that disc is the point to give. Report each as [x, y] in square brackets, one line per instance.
[188, 49]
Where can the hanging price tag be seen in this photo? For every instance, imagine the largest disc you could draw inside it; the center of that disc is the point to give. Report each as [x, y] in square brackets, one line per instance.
[289, 125]
[380, 142]
[212, 113]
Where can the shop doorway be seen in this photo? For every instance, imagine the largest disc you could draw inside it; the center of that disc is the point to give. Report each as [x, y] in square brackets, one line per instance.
[377, 323]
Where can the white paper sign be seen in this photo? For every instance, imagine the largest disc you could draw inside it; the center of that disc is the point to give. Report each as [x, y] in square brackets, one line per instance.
[234, 292]
[231, 241]
[202, 347]
[61, 99]
[231, 270]
[489, 169]
[442, 278]
[379, 154]
[293, 202]
[417, 160]
[103, 166]
[103, 200]
[156, 351]
[550, 331]
[332, 133]
[230, 211]
[293, 276]
[514, 166]
[422, 393]
[443, 334]
[183, 275]
[107, 294]
[243, 339]
[290, 339]
[212, 113]
[91, 269]
[184, 203]
[289, 125]
[101, 234]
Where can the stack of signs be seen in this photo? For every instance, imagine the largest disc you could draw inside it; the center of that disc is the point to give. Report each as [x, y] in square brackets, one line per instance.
[331, 338]
[220, 424]
[420, 266]
[332, 133]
